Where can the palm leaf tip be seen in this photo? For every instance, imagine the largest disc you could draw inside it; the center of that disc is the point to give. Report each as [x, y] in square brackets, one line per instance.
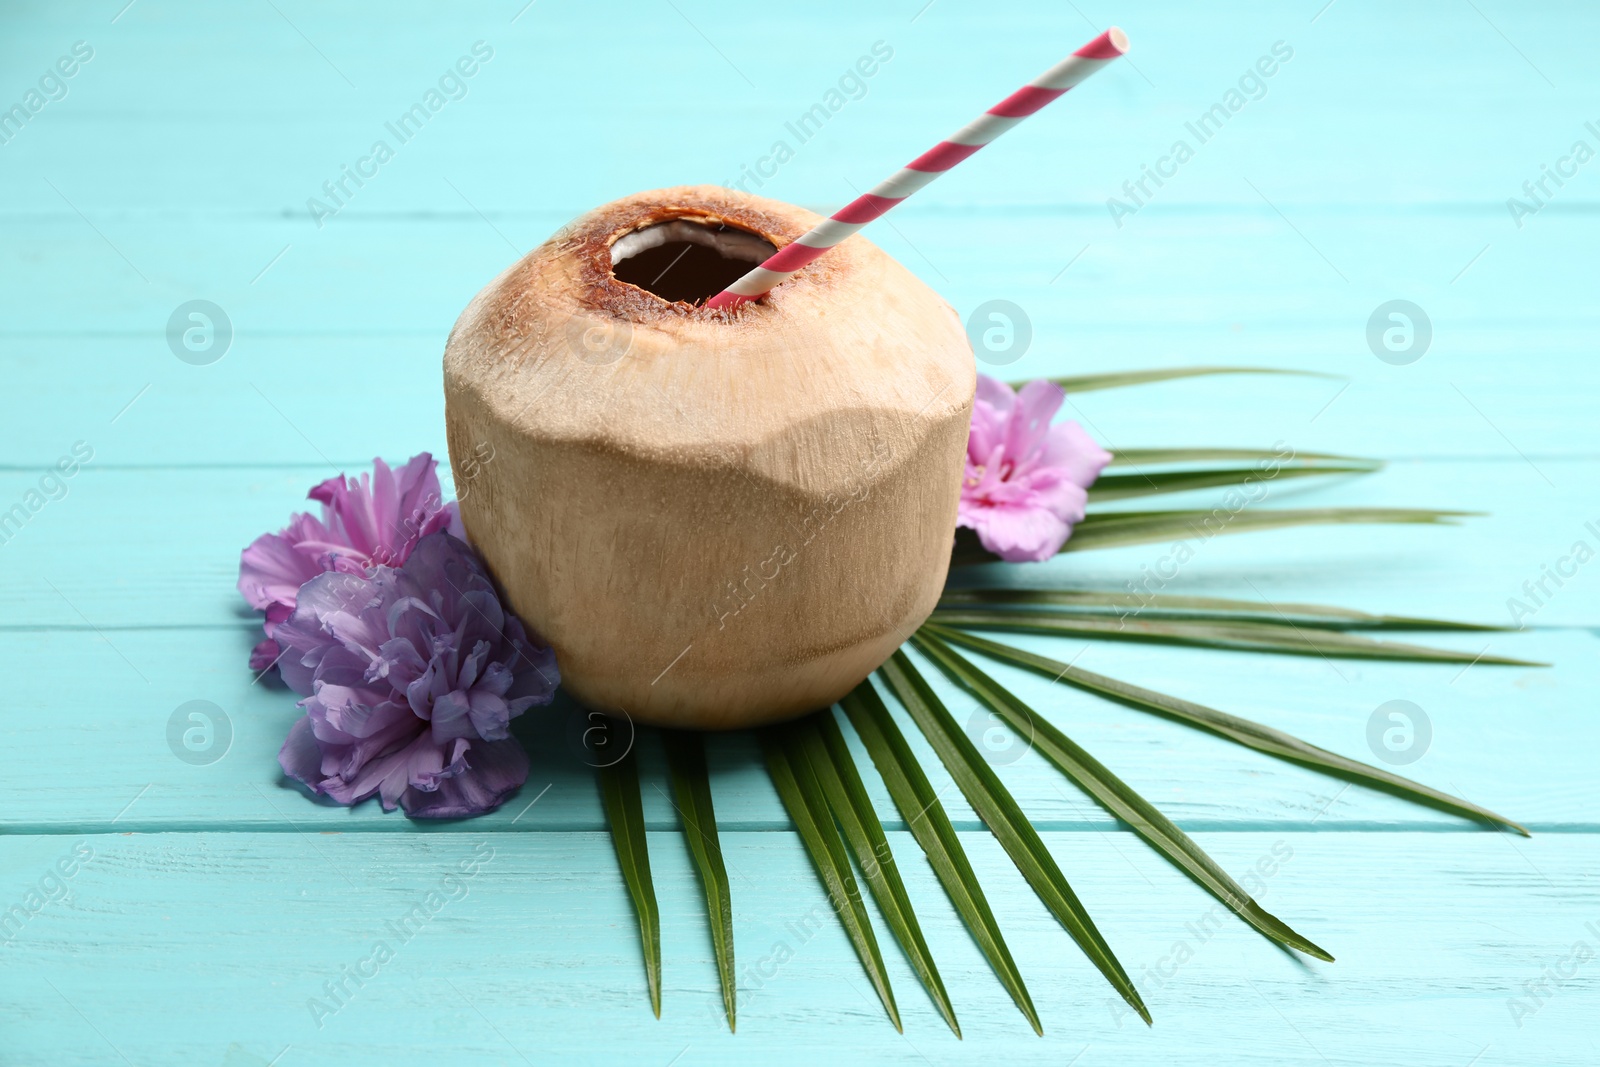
[1083, 383]
[1166, 456]
[807, 806]
[619, 793]
[1122, 604]
[1261, 634]
[1112, 529]
[691, 786]
[999, 811]
[1128, 486]
[1240, 731]
[1113, 795]
[925, 818]
[825, 749]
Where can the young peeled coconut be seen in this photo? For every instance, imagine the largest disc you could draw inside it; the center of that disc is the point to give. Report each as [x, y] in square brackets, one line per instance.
[716, 518]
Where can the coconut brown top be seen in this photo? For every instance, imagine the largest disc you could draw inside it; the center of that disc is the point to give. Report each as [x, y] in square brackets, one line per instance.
[559, 347]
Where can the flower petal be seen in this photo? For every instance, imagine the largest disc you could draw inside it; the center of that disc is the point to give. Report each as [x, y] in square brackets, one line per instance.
[495, 770]
[407, 675]
[1025, 481]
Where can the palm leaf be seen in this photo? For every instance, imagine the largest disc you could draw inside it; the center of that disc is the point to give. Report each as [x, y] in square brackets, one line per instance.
[802, 796]
[1101, 602]
[1111, 487]
[691, 785]
[1240, 635]
[995, 805]
[1159, 456]
[1240, 731]
[1084, 383]
[835, 770]
[1112, 793]
[619, 792]
[925, 817]
[1112, 529]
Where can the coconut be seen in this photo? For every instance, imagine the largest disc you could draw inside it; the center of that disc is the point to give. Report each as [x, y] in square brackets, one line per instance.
[716, 518]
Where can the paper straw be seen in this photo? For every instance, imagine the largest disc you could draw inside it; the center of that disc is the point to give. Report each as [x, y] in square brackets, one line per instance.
[925, 168]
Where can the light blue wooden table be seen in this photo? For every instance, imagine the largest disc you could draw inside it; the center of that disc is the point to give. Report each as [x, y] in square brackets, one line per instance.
[208, 902]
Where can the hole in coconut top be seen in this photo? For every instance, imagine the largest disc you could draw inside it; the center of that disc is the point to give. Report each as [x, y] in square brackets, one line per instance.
[685, 259]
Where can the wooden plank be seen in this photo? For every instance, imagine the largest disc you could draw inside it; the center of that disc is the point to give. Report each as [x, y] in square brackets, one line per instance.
[160, 547]
[181, 162]
[336, 349]
[1435, 937]
[1519, 741]
[272, 121]
[1226, 277]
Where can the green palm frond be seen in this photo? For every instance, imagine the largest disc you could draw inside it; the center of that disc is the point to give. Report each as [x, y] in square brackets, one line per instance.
[1111, 793]
[835, 769]
[925, 817]
[817, 779]
[1084, 383]
[1239, 635]
[1153, 457]
[691, 786]
[619, 793]
[807, 805]
[1112, 487]
[1240, 731]
[999, 810]
[1113, 529]
[1222, 609]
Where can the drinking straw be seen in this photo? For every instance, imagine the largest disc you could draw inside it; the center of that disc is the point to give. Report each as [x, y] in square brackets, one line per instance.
[925, 168]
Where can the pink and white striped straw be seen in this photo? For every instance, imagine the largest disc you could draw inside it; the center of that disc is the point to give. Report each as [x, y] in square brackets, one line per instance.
[925, 168]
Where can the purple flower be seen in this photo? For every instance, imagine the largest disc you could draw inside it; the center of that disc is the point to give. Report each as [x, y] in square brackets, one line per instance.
[376, 520]
[408, 674]
[1026, 481]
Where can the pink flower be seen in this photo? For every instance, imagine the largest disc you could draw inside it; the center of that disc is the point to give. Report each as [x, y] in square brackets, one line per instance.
[411, 676]
[374, 521]
[1027, 481]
